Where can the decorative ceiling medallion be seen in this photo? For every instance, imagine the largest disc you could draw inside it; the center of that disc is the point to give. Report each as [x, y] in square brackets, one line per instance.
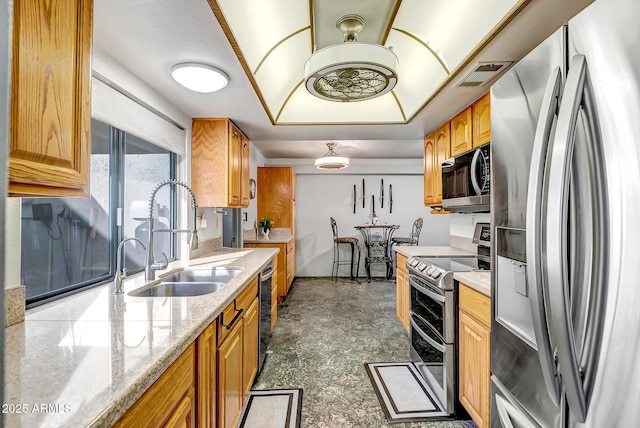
[352, 70]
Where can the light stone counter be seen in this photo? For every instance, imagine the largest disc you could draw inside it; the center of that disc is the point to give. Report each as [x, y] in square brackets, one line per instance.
[278, 235]
[412, 250]
[90, 356]
[274, 240]
[480, 281]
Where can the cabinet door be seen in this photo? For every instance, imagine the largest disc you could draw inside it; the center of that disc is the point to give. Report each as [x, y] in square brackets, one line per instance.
[230, 386]
[429, 172]
[275, 195]
[461, 132]
[185, 414]
[50, 120]
[443, 152]
[474, 369]
[206, 377]
[250, 338]
[402, 292]
[481, 121]
[244, 176]
[234, 178]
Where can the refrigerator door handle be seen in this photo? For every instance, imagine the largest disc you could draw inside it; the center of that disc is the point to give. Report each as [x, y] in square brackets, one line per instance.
[536, 195]
[576, 365]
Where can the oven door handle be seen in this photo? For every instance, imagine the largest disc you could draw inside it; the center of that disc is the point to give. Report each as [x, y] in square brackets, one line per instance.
[440, 347]
[433, 295]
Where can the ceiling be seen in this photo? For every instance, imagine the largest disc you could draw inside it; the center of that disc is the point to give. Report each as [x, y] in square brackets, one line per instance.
[262, 45]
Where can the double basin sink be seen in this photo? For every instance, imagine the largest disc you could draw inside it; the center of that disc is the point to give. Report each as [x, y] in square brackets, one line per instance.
[190, 282]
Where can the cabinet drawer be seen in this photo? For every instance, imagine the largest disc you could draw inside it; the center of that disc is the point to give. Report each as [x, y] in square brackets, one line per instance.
[242, 301]
[476, 304]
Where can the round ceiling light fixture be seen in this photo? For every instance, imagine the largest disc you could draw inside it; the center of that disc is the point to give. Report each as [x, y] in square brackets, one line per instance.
[332, 160]
[352, 70]
[199, 77]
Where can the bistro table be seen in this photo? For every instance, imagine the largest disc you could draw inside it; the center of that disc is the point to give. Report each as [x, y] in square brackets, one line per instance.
[377, 238]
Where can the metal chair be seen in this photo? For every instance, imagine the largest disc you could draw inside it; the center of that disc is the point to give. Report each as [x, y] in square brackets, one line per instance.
[411, 240]
[337, 240]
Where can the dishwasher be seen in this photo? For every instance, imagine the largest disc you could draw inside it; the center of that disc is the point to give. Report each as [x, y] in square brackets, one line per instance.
[265, 313]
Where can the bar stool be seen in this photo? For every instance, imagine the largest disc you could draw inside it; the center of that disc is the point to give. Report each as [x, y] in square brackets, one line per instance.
[337, 240]
[411, 240]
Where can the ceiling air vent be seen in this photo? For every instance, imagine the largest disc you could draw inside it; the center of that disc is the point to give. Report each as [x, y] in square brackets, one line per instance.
[482, 73]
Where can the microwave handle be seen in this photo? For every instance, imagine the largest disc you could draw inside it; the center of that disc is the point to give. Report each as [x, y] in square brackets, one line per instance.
[474, 165]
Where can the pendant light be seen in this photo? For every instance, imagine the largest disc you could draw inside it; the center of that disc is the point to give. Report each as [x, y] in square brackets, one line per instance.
[332, 160]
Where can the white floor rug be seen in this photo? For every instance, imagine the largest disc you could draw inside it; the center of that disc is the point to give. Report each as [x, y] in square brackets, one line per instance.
[403, 393]
[275, 408]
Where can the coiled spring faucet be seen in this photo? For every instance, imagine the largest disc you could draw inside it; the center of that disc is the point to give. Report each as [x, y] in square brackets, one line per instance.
[151, 265]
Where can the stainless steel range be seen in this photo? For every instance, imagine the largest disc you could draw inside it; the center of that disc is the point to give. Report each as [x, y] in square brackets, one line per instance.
[433, 321]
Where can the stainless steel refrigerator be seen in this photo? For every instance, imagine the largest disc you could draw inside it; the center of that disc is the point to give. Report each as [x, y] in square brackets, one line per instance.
[565, 125]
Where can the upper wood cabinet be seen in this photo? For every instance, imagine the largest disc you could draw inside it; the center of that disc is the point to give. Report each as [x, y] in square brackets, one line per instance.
[481, 121]
[276, 195]
[461, 132]
[50, 135]
[219, 164]
[475, 343]
[437, 149]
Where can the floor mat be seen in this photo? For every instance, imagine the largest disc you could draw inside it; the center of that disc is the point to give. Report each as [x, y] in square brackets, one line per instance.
[403, 393]
[274, 408]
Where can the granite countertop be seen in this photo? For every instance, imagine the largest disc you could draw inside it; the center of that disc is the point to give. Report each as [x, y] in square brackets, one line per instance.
[480, 281]
[412, 250]
[88, 357]
[278, 235]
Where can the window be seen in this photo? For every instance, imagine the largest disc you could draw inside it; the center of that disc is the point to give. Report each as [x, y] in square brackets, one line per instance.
[69, 243]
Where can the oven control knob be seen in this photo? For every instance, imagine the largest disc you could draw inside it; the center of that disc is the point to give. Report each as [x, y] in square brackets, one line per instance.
[430, 270]
[436, 273]
[421, 266]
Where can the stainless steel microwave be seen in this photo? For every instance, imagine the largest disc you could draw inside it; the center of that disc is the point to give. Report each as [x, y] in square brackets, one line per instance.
[466, 181]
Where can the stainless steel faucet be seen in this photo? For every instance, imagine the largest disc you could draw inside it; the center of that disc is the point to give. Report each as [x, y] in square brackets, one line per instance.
[151, 266]
[122, 272]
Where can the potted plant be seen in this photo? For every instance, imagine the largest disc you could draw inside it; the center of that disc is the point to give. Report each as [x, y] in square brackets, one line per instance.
[265, 224]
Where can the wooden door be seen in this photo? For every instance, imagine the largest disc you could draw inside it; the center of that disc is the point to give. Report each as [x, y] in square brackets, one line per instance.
[185, 414]
[442, 153]
[251, 343]
[244, 176]
[206, 377]
[481, 121]
[230, 386]
[461, 132]
[429, 173]
[234, 178]
[474, 368]
[50, 119]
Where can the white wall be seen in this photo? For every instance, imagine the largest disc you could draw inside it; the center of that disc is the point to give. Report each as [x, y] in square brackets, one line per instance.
[320, 196]
[464, 224]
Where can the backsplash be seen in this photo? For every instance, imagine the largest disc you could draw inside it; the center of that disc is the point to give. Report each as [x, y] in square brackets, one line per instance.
[462, 227]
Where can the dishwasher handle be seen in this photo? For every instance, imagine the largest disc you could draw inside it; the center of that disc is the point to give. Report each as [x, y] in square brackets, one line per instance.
[266, 274]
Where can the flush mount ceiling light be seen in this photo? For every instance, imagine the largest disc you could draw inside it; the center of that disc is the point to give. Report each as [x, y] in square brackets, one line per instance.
[199, 77]
[332, 160]
[352, 70]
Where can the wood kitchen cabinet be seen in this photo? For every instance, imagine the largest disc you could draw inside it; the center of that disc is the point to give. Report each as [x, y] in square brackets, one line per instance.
[437, 149]
[402, 290]
[238, 344]
[170, 401]
[461, 132]
[286, 263]
[474, 366]
[274, 293]
[50, 119]
[276, 194]
[219, 164]
[481, 121]
[206, 379]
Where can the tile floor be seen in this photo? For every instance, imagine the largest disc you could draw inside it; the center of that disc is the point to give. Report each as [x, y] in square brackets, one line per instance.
[325, 333]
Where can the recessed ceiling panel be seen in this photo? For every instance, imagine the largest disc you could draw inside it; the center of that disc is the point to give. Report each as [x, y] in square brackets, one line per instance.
[454, 31]
[282, 70]
[303, 107]
[259, 25]
[376, 15]
[418, 79]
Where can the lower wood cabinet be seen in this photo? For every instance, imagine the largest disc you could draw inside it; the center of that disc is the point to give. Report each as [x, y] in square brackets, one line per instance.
[170, 401]
[286, 262]
[230, 382]
[402, 290]
[250, 343]
[207, 376]
[474, 349]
